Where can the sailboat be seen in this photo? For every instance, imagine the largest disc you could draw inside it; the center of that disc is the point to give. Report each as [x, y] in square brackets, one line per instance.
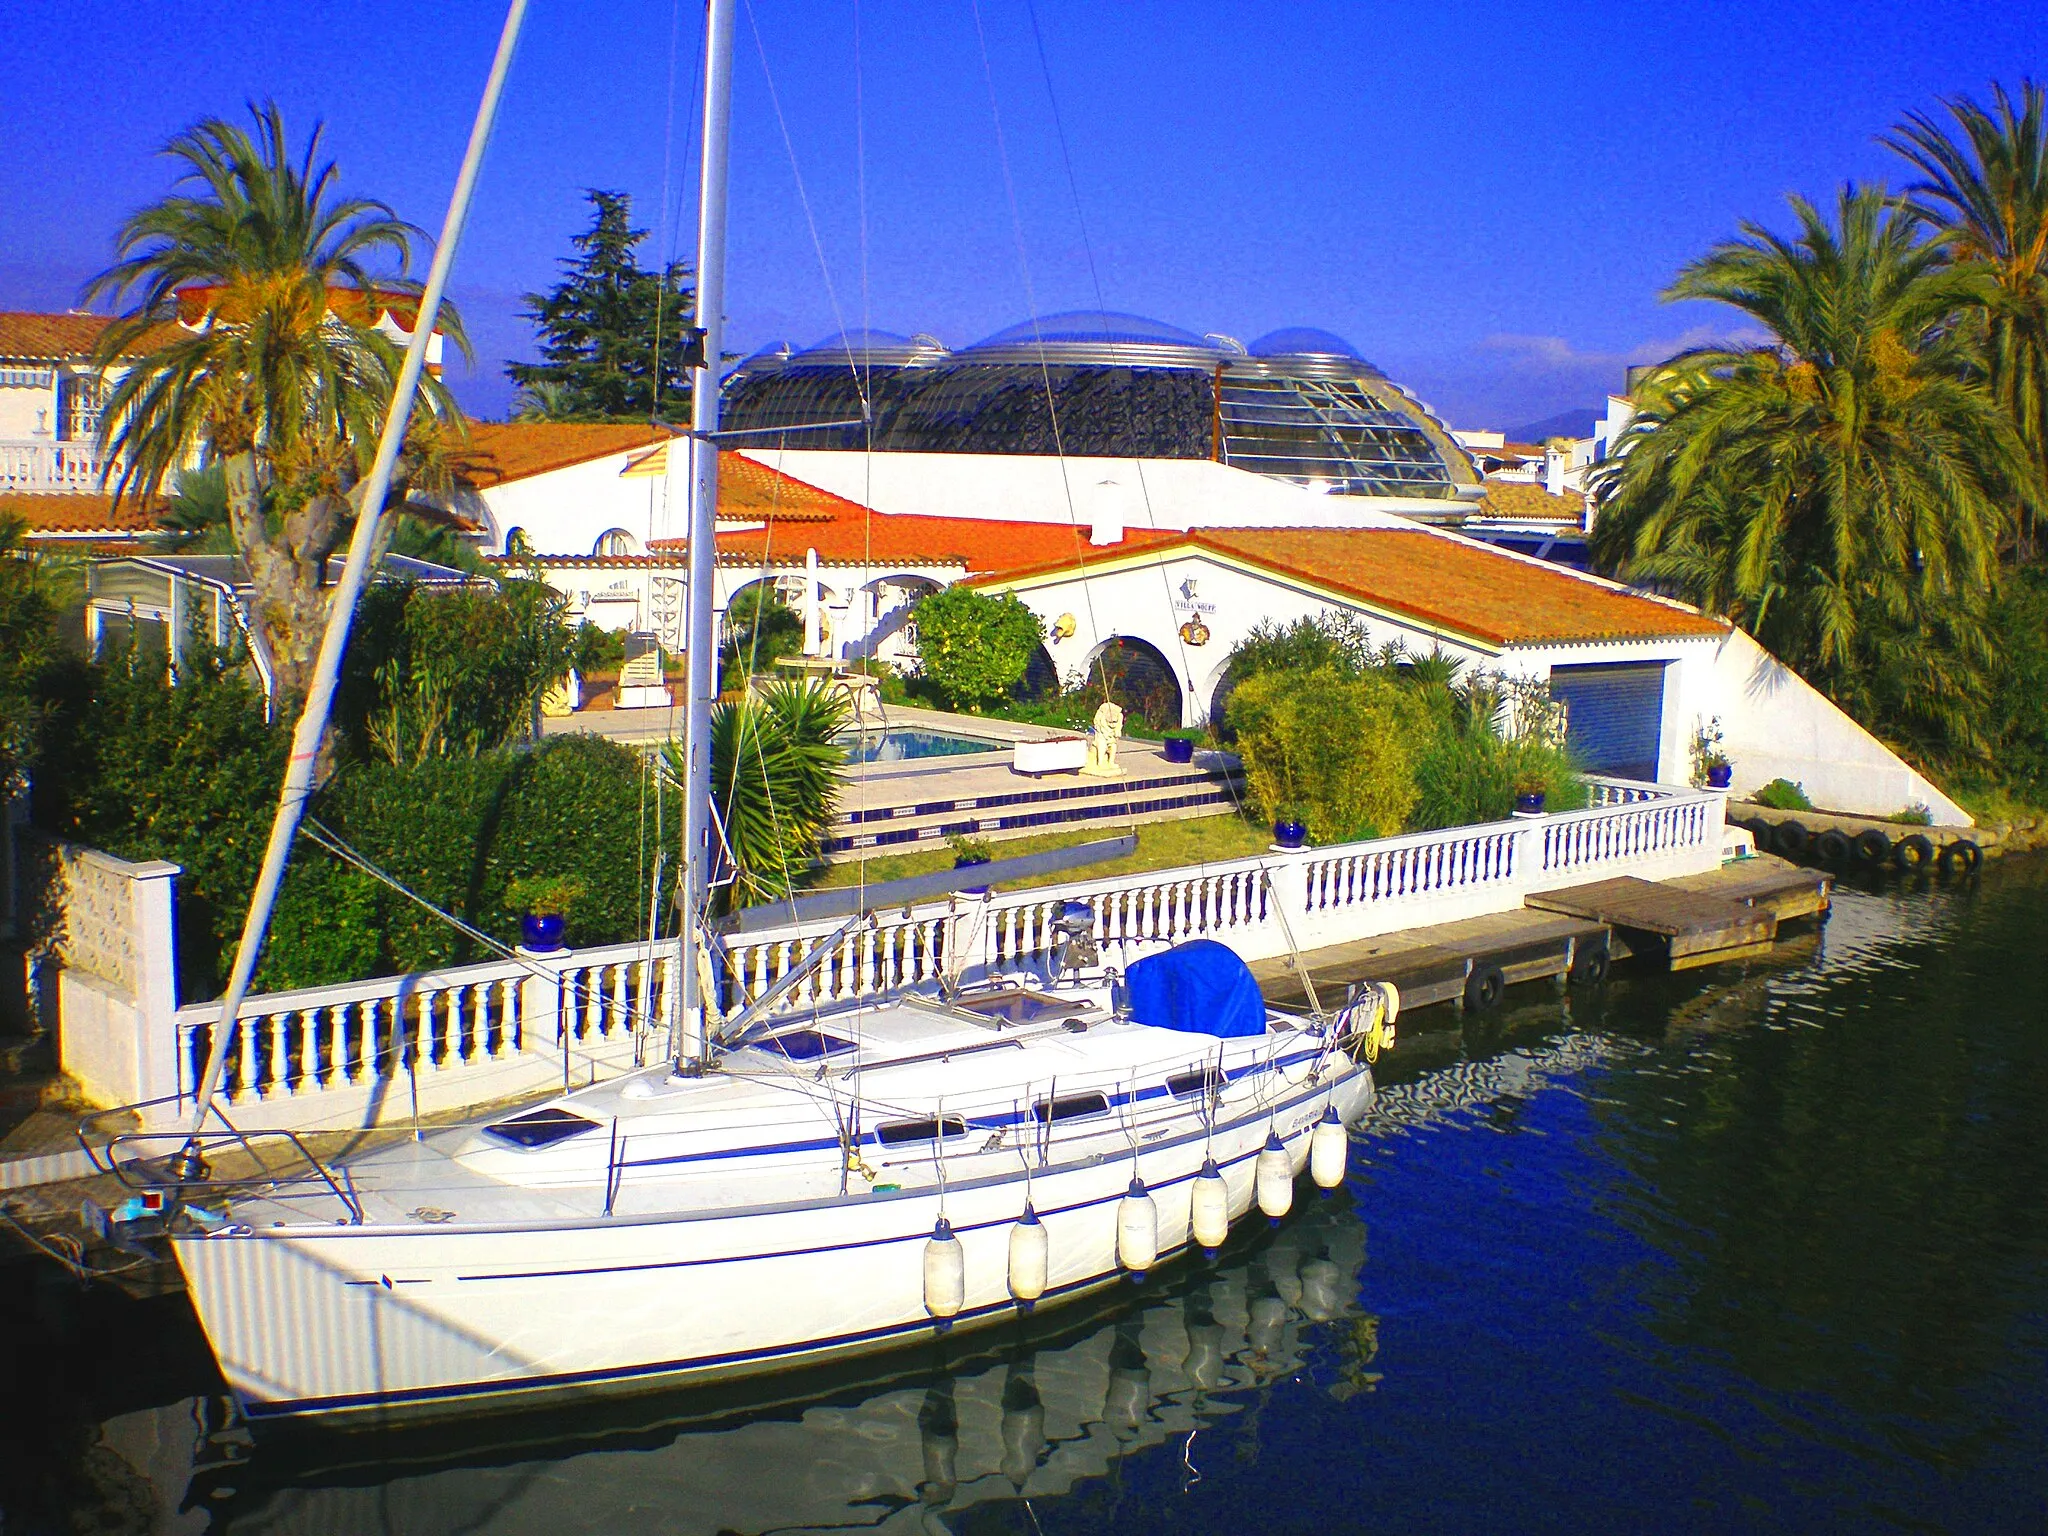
[796, 1184]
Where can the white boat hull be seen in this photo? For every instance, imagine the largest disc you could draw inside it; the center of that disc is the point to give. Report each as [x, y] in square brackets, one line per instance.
[379, 1321]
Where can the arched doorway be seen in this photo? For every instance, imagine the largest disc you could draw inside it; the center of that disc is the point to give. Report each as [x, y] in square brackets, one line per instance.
[1041, 677]
[1138, 676]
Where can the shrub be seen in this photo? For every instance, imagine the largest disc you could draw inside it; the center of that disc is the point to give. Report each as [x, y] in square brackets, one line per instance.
[1783, 795]
[976, 648]
[1474, 776]
[437, 673]
[760, 629]
[1340, 748]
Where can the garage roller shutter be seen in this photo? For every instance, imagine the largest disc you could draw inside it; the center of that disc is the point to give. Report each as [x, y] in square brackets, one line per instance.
[1616, 715]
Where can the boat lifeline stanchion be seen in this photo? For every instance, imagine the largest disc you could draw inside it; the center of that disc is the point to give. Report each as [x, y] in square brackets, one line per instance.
[188, 1164]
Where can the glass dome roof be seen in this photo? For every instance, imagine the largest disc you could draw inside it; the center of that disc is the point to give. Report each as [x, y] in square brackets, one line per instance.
[1097, 336]
[1299, 404]
[1093, 325]
[1303, 341]
[871, 346]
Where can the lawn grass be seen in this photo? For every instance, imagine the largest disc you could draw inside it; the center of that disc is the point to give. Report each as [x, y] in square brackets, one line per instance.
[1161, 845]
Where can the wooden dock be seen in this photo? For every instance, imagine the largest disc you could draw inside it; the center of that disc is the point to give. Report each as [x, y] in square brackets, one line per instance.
[1570, 934]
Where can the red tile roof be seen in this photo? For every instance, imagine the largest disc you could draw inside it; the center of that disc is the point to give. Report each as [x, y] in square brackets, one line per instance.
[52, 338]
[984, 546]
[68, 513]
[498, 451]
[1447, 582]
[1508, 498]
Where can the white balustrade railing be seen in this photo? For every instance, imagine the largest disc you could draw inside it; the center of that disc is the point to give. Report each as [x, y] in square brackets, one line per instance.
[579, 1015]
[470, 1033]
[1328, 895]
[50, 464]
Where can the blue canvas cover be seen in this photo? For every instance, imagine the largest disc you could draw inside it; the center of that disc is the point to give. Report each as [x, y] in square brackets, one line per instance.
[1201, 987]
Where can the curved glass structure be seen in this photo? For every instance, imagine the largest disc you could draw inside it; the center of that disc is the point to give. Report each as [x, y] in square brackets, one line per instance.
[1298, 404]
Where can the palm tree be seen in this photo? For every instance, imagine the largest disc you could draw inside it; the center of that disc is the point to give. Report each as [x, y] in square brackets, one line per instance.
[775, 767]
[1986, 198]
[1841, 492]
[545, 400]
[284, 378]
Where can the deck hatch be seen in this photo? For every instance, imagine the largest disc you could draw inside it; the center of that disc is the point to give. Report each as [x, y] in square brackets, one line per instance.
[541, 1128]
[806, 1044]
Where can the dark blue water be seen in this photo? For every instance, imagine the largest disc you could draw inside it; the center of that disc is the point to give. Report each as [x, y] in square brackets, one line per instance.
[1753, 1249]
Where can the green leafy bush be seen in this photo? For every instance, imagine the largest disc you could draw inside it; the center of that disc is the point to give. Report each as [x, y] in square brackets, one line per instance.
[974, 647]
[1342, 749]
[1474, 776]
[433, 673]
[760, 629]
[1783, 795]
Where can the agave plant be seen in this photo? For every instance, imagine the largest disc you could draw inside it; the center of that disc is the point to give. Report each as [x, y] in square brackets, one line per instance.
[775, 763]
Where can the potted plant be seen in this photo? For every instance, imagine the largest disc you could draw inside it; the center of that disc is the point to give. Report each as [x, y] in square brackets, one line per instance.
[968, 851]
[1529, 795]
[543, 902]
[1710, 765]
[1290, 824]
[1180, 744]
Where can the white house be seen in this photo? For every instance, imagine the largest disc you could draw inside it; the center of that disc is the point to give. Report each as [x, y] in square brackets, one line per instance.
[1171, 562]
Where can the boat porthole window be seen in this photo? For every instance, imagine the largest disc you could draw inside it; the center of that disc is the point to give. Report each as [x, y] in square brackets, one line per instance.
[1185, 1085]
[1070, 1106]
[901, 1132]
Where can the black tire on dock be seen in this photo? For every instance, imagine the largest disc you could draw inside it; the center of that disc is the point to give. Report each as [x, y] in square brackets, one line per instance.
[1589, 963]
[1484, 988]
[1789, 838]
[1961, 857]
[1873, 848]
[1833, 847]
[1913, 853]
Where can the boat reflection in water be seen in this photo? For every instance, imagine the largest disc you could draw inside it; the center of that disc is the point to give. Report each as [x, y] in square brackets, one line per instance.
[1032, 1413]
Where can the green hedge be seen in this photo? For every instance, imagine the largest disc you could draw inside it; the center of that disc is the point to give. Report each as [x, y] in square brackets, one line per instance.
[191, 774]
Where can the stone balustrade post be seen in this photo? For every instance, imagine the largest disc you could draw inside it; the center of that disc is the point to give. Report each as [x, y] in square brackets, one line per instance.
[544, 1018]
[153, 898]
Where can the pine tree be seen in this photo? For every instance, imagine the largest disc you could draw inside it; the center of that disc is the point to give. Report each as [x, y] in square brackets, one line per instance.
[598, 328]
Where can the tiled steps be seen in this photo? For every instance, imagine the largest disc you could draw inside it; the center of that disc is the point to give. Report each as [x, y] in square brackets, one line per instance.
[1154, 792]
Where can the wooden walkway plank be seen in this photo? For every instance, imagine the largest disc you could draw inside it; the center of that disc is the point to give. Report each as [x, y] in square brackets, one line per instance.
[1689, 922]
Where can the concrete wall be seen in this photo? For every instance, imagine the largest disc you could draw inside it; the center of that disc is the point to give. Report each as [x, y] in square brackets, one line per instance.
[109, 928]
[1776, 725]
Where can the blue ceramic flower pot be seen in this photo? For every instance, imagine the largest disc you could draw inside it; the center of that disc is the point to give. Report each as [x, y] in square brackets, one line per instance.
[1290, 834]
[542, 931]
[1720, 776]
[970, 861]
[1529, 803]
[1179, 750]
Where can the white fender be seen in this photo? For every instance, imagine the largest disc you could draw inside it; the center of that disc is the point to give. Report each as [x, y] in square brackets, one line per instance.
[1030, 1256]
[1274, 1177]
[1329, 1149]
[1209, 1210]
[945, 1273]
[1137, 1229]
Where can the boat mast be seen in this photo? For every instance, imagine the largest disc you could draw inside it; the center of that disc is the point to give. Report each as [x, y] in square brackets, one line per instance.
[341, 609]
[701, 641]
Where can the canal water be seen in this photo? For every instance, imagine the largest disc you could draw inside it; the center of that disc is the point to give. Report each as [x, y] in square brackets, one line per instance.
[1760, 1248]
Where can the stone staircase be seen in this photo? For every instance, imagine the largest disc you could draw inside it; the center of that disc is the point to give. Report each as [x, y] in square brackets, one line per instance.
[925, 805]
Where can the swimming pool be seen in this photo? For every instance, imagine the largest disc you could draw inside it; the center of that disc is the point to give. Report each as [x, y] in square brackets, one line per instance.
[899, 746]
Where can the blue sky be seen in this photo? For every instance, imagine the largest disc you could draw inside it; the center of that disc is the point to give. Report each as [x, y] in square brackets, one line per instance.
[1484, 198]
